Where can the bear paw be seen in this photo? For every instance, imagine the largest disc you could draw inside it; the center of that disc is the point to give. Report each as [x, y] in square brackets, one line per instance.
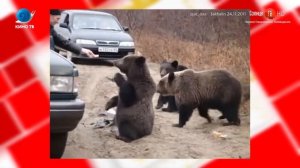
[177, 125]
[232, 123]
[123, 138]
[168, 110]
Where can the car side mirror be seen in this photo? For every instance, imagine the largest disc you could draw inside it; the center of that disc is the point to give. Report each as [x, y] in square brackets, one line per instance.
[126, 28]
[64, 25]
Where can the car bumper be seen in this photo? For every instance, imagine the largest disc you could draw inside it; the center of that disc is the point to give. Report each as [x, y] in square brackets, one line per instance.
[109, 55]
[65, 114]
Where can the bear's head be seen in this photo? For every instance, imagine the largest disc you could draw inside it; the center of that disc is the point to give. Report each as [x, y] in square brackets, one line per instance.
[168, 67]
[131, 65]
[176, 83]
[167, 85]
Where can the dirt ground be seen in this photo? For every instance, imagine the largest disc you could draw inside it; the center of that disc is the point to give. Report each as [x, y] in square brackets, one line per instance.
[198, 139]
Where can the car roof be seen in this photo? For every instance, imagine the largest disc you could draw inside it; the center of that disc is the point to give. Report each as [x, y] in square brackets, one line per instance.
[86, 12]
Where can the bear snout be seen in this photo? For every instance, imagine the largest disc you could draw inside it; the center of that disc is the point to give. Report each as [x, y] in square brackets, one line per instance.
[158, 89]
[117, 63]
[161, 91]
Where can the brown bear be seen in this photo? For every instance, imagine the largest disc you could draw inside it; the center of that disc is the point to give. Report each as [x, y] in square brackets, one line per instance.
[135, 114]
[211, 89]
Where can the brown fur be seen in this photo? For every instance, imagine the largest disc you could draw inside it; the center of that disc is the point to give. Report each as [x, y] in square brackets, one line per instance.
[213, 89]
[135, 114]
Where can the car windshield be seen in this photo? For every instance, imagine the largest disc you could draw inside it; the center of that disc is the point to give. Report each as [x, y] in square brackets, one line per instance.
[101, 22]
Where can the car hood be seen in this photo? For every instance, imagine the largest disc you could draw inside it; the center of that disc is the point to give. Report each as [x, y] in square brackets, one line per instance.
[60, 66]
[107, 35]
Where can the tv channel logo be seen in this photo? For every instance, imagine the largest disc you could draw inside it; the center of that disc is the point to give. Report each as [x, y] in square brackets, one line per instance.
[24, 16]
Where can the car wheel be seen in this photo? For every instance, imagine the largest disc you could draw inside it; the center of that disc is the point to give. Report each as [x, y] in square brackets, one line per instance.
[58, 144]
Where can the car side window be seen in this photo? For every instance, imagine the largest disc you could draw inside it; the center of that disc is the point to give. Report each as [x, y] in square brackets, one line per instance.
[62, 18]
[67, 19]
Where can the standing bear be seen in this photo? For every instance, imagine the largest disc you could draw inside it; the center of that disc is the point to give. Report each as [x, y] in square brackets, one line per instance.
[135, 114]
[165, 68]
[212, 89]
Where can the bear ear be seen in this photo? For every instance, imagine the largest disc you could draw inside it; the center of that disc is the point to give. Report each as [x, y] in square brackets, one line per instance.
[174, 64]
[171, 77]
[140, 60]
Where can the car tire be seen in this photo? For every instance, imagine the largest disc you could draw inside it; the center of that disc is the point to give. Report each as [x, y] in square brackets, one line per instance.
[57, 144]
